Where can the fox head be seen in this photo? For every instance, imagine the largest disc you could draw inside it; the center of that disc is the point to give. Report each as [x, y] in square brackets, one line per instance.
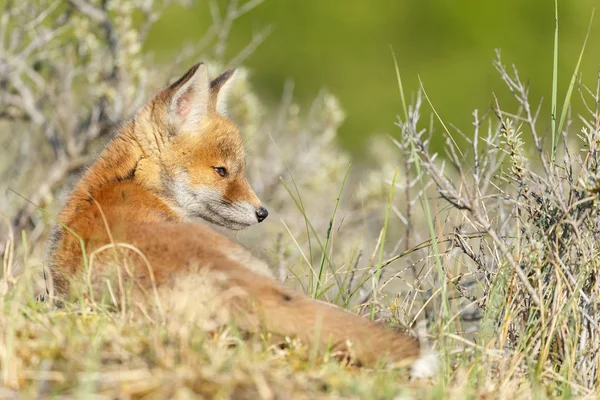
[195, 155]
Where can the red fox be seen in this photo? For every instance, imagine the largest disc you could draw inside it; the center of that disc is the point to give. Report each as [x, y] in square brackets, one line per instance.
[179, 158]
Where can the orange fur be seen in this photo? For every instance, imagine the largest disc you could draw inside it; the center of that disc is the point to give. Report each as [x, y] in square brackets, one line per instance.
[153, 178]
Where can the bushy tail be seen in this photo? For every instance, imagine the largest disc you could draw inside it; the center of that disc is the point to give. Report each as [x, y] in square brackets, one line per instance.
[285, 312]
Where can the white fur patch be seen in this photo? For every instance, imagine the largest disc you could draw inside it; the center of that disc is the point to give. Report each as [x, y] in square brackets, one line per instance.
[426, 366]
[207, 203]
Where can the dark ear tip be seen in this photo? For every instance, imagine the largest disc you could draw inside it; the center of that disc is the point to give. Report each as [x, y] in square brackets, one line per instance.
[194, 69]
[190, 72]
[197, 65]
[228, 73]
[221, 79]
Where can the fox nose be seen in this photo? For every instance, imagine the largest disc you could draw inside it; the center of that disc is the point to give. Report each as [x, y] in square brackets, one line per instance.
[261, 214]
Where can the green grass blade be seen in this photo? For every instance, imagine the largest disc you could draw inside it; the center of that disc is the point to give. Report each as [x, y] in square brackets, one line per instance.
[383, 236]
[385, 223]
[440, 119]
[328, 236]
[310, 288]
[300, 203]
[565, 108]
[400, 86]
[555, 83]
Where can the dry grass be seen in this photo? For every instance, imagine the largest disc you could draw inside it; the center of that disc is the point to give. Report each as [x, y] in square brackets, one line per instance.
[492, 245]
[46, 352]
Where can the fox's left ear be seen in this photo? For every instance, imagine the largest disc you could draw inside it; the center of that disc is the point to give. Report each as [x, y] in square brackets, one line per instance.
[220, 88]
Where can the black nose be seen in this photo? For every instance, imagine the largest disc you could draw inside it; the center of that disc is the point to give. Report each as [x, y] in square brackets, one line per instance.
[261, 214]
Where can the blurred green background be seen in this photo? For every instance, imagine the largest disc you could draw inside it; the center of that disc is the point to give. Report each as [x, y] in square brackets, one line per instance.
[344, 46]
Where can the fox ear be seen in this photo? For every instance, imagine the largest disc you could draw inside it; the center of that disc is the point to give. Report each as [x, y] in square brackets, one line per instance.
[220, 88]
[189, 102]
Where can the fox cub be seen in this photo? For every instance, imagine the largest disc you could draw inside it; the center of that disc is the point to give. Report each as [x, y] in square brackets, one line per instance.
[179, 158]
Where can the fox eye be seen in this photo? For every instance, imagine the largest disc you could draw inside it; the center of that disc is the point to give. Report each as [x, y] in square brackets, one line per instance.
[222, 171]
